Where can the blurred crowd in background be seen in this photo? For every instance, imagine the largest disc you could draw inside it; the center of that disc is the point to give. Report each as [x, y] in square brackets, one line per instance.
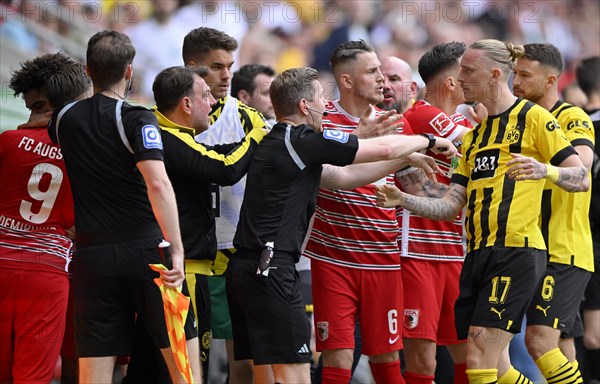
[286, 34]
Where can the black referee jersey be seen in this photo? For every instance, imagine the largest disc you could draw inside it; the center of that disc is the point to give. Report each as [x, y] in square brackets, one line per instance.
[283, 182]
[102, 139]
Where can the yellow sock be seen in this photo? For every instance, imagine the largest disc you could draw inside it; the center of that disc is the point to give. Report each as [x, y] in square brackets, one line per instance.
[512, 376]
[482, 376]
[556, 368]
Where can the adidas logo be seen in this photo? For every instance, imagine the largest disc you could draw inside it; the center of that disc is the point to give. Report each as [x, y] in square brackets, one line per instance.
[304, 349]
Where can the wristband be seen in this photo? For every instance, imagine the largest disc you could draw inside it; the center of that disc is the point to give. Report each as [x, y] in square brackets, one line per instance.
[552, 173]
[431, 139]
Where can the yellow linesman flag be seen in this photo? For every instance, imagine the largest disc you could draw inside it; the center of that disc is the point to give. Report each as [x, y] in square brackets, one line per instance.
[176, 306]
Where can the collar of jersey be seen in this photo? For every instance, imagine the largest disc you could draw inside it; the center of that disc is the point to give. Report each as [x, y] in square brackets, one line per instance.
[165, 123]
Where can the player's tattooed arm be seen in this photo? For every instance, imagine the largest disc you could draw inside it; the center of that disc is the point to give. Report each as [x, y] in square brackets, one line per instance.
[416, 182]
[444, 208]
[571, 175]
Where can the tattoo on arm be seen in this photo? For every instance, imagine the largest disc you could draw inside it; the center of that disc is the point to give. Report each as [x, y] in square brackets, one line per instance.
[416, 183]
[571, 179]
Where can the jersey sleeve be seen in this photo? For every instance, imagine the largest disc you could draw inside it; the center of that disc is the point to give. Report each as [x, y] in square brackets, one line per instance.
[579, 128]
[143, 133]
[462, 173]
[430, 119]
[183, 155]
[328, 147]
[549, 139]
[251, 118]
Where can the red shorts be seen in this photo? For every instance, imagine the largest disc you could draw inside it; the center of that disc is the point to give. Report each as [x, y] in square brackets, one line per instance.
[431, 289]
[341, 294]
[33, 304]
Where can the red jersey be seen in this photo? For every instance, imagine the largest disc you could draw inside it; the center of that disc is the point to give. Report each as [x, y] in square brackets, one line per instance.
[423, 238]
[349, 229]
[36, 205]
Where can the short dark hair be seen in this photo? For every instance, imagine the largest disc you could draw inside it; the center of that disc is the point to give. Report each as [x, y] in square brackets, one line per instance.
[108, 55]
[243, 79]
[348, 51]
[291, 86]
[588, 75]
[173, 84]
[200, 41]
[440, 58]
[546, 54]
[59, 77]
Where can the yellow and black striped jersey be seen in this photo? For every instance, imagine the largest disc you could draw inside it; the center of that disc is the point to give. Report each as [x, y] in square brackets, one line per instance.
[249, 117]
[500, 210]
[564, 220]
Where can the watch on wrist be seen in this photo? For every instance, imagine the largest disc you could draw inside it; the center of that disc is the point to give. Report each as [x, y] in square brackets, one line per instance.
[431, 139]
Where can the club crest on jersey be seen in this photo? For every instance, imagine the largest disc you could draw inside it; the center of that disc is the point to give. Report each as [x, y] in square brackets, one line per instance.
[513, 135]
[323, 330]
[411, 318]
[151, 137]
[332, 134]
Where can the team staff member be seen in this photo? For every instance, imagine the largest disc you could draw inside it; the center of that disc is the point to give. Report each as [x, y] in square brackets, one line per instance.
[183, 102]
[36, 213]
[399, 88]
[432, 251]
[505, 248]
[588, 79]
[564, 221]
[250, 85]
[269, 324]
[123, 209]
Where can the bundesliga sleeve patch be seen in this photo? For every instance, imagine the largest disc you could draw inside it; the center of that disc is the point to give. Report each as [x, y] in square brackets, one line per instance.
[151, 136]
[340, 136]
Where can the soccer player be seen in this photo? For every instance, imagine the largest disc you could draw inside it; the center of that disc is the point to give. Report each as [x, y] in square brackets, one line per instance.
[36, 215]
[564, 223]
[353, 243]
[269, 325]
[588, 78]
[506, 161]
[432, 251]
[124, 207]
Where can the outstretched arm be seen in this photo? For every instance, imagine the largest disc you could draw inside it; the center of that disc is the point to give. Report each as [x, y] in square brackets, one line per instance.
[444, 208]
[356, 175]
[570, 175]
[416, 183]
[395, 146]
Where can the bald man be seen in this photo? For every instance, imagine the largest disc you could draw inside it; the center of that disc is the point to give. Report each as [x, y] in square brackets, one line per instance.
[399, 89]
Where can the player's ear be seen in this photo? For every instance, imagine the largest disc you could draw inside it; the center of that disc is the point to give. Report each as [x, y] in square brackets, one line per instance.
[243, 96]
[552, 79]
[450, 82]
[346, 80]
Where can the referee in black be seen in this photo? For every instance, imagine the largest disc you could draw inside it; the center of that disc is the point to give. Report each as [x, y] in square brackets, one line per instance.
[289, 166]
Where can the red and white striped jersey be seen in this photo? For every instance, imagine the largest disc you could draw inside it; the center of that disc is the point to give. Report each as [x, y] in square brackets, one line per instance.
[349, 229]
[36, 205]
[423, 238]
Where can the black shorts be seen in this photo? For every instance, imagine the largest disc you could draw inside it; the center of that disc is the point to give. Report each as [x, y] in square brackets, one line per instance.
[558, 296]
[267, 313]
[576, 329]
[496, 286]
[592, 293]
[111, 283]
